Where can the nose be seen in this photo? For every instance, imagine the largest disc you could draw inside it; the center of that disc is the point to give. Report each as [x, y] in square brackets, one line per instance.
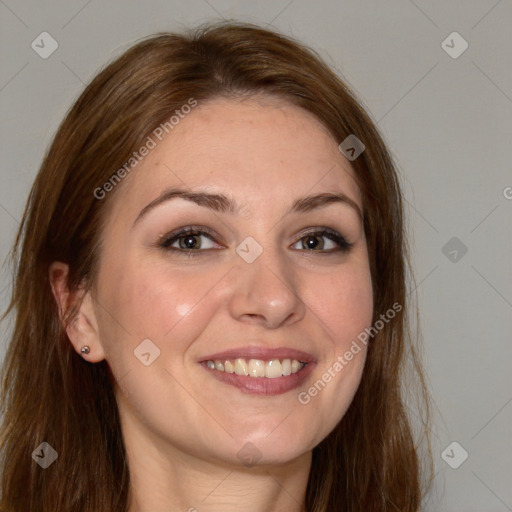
[266, 291]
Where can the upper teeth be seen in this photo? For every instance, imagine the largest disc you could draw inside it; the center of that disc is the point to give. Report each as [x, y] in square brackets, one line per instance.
[257, 367]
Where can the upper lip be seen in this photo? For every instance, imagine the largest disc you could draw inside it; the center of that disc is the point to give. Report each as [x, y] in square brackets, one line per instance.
[263, 353]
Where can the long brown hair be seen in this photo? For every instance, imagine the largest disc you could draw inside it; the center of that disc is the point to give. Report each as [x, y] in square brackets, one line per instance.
[370, 462]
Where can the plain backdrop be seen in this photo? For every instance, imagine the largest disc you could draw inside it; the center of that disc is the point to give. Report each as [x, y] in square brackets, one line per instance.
[445, 112]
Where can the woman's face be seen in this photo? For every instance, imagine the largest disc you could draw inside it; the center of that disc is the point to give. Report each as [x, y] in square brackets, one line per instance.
[263, 283]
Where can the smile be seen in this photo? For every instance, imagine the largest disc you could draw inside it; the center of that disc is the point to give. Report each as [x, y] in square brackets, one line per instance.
[260, 370]
[257, 367]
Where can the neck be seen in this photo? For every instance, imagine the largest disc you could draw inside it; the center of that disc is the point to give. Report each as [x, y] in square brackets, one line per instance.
[163, 478]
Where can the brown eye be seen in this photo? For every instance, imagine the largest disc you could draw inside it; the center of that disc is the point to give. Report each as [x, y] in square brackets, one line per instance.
[314, 241]
[188, 240]
[193, 241]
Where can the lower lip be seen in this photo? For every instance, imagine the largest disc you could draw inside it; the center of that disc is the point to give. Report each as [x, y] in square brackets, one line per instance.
[263, 385]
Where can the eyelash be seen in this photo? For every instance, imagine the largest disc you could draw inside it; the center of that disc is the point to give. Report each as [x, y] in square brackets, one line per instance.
[168, 240]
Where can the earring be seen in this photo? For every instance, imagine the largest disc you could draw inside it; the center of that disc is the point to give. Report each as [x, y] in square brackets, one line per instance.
[85, 349]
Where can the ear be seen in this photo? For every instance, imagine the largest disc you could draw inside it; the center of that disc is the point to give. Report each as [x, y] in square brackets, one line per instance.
[83, 328]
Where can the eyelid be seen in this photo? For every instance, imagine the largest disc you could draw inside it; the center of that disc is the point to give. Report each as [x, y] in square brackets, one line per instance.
[195, 229]
[165, 241]
[343, 244]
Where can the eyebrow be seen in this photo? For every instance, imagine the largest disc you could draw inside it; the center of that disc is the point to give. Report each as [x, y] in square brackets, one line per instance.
[223, 204]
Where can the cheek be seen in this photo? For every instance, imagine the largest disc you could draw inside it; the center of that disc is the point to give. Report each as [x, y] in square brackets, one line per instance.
[343, 302]
[156, 302]
[172, 306]
[175, 306]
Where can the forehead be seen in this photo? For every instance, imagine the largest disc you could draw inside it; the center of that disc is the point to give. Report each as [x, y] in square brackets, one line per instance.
[259, 149]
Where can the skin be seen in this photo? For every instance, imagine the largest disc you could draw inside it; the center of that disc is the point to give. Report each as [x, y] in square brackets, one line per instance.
[183, 428]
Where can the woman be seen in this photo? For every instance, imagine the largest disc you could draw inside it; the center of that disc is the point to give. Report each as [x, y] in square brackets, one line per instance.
[210, 293]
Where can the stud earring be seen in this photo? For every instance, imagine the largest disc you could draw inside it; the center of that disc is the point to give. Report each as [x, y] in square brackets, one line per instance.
[85, 349]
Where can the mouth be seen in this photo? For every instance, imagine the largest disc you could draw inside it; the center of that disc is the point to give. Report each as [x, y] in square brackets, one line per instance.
[260, 371]
[255, 368]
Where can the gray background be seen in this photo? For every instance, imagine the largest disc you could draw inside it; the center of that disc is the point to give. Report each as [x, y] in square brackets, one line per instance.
[447, 121]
